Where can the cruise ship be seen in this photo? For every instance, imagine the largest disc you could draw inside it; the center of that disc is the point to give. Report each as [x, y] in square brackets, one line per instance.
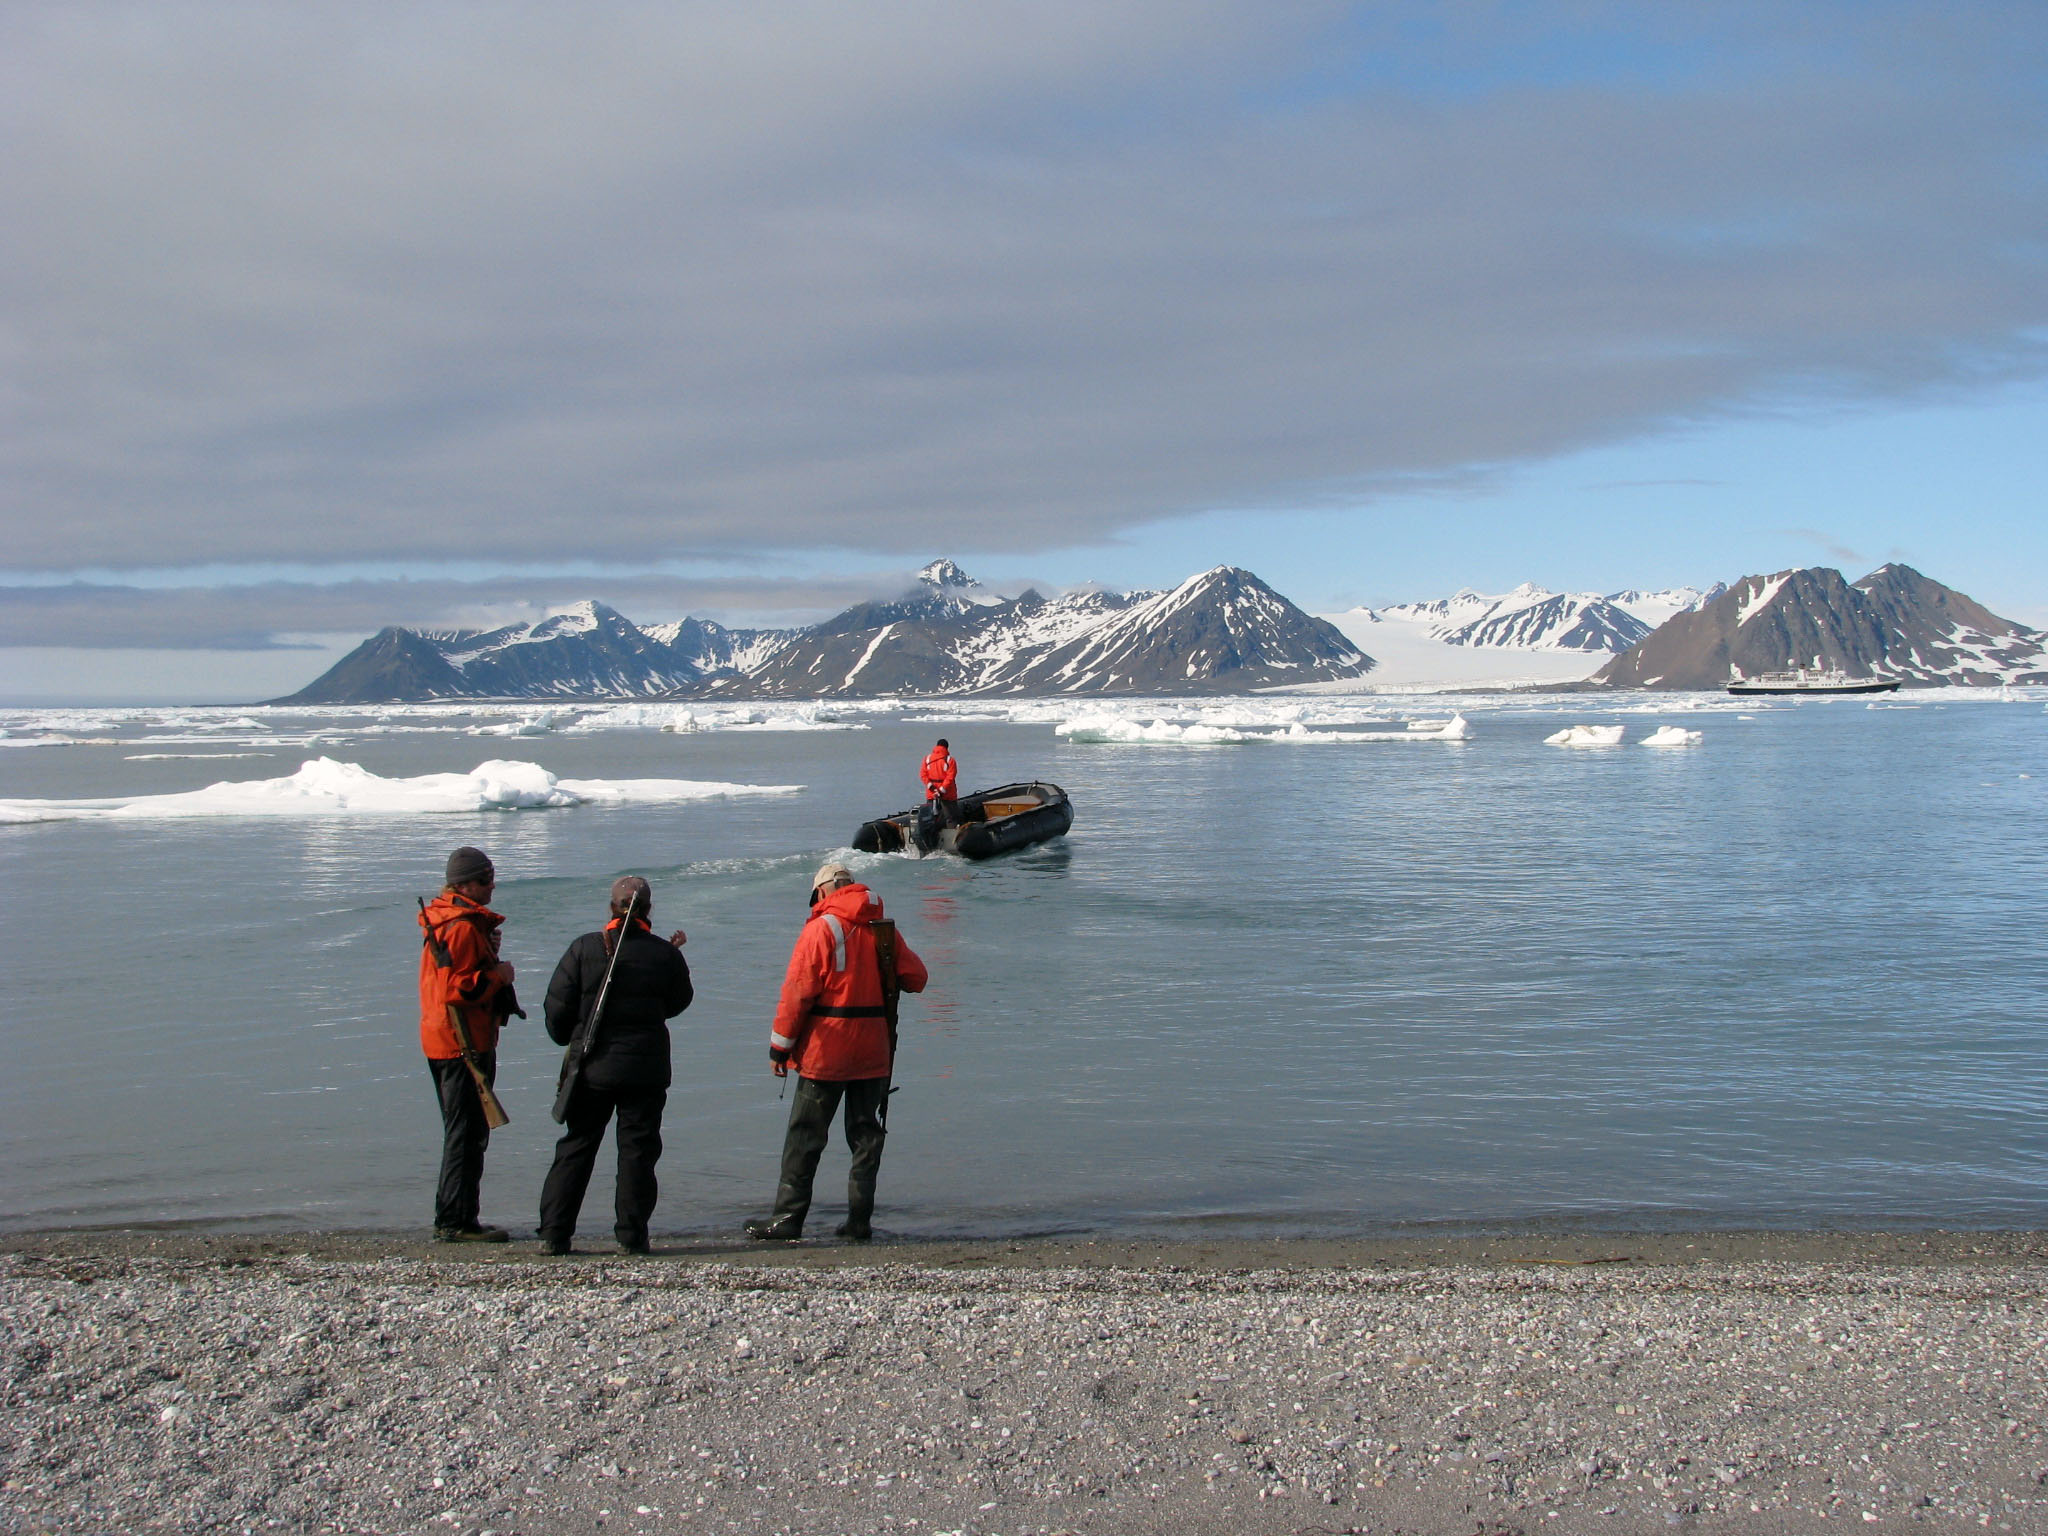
[1814, 679]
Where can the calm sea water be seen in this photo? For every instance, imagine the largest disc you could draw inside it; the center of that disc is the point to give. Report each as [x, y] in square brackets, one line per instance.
[1794, 974]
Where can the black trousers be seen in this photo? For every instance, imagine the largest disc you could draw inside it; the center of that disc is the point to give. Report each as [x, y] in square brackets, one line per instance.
[810, 1128]
[591, 1108]
[464, 1135]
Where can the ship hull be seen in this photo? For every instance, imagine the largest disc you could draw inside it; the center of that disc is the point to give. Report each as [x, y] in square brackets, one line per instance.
[1870, 685]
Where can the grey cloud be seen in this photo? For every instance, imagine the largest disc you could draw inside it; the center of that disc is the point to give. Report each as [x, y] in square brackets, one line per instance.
[342, 283]
[269, 615]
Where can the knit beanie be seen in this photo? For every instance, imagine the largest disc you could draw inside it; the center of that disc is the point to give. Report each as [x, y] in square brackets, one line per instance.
[468, 864]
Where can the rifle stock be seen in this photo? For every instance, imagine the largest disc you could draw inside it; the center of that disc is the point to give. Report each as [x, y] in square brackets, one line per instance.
[494, 1109]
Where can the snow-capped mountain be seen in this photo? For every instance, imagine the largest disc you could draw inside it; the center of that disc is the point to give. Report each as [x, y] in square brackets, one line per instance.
[1655, 608]
[584, 649]
[1221, 631]
[1560, 622]
[1533, 618]
[1894, 623]
[711, 648]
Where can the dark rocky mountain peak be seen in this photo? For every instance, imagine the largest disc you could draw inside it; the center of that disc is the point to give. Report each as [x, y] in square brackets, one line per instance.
[392, 664]
[1894, 623]
[1221, 631]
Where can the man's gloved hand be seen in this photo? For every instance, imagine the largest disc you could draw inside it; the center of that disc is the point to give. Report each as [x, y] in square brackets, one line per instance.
[779, 1059]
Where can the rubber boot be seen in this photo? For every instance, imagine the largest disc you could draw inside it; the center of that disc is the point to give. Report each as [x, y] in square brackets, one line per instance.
[786, 1223]
[860, 1210]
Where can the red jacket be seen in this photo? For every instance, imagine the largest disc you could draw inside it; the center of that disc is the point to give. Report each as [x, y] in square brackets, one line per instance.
[941, 775]
[470, 934]
[833, 968]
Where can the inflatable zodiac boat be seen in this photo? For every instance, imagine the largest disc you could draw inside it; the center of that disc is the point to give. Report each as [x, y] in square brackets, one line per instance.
[986, 823]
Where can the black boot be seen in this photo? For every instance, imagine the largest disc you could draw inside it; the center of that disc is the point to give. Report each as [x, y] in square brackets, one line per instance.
[860, 1210]
[810, 1125]
[473, 1233]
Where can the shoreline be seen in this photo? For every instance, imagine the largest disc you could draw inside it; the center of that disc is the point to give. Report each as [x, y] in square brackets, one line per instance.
[1506, 1384]
[1908, 1247]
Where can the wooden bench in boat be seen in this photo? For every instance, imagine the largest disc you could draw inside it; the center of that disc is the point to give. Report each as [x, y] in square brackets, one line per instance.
[994, 810]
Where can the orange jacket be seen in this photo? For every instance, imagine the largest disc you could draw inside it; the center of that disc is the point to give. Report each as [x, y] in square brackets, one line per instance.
[470, 934]
[830, 1018]
[941, 775]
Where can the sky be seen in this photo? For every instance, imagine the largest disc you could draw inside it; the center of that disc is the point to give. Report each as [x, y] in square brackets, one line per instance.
[321, 317]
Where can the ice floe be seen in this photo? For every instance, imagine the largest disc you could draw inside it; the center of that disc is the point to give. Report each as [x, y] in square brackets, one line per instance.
[541, 724]
[1123, 729]
[1586, 736]
[1673, 736]
[324, 787]
[685, 719]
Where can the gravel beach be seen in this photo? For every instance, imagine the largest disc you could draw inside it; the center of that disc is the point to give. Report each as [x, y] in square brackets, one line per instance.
[1763, 1382]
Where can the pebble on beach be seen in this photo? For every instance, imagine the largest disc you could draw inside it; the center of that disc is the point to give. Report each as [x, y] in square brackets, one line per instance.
[302, 1393]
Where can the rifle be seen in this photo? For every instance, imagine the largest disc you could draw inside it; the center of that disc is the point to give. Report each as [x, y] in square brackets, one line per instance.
[579, 1043]
[494, 1111]
[884, 930]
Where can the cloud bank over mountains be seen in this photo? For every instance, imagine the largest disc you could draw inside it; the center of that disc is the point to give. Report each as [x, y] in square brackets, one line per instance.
[330, 284]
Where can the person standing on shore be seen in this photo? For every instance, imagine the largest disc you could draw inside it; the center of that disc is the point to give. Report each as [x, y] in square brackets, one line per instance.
[626, 1068]
[460, 973]
[833, 1026]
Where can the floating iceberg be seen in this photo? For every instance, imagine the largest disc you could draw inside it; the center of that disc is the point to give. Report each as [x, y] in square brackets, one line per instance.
[1673, 736]
[324, 787]
[541, 724]
[1586, 736]
[1114, 728]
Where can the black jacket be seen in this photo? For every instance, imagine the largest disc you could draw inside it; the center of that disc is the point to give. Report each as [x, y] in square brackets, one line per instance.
[651, 986]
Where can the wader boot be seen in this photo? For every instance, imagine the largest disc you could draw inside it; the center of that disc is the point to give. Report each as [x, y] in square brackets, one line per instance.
[810, 1127]
[867, 1128]
[860, 1209]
